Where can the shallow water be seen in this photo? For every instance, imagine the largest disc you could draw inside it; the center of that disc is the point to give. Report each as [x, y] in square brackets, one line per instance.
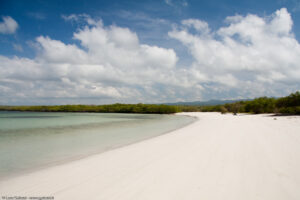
[31, 140]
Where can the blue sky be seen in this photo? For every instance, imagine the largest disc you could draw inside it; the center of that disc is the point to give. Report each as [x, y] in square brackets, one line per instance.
[183, 48]
[44, 17]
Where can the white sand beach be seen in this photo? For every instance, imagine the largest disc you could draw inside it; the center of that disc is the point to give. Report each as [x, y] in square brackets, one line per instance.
[218, 157]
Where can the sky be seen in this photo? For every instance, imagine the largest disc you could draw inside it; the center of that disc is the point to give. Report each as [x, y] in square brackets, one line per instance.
[103, 52]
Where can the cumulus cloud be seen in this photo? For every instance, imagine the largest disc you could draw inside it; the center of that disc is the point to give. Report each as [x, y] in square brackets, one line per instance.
[110, 64]
[250, 50]
[198, 25]
[249, 56]
[8, 25]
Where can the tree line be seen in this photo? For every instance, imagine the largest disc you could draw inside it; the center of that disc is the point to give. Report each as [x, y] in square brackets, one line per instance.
[113, 108]
[284, 105]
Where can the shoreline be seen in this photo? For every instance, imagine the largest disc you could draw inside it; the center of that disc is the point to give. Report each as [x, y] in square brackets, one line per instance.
[216, 157]
[80, 157]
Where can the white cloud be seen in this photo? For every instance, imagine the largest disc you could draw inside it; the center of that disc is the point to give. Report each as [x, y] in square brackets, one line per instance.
[249, 56]
[81, 18]
[111, 64]
[250, 49]
[8, 26]
[199, 25]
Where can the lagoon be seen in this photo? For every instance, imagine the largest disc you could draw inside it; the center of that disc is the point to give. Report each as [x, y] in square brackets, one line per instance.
[33, 140]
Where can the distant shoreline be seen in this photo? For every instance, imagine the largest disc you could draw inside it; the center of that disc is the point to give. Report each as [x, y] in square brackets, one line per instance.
[112, 108]
[289, 105]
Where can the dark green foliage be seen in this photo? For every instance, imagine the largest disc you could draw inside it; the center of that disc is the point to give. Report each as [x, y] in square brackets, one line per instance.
[289, 101]
[223, 110]
[260, 105]
[114, 108]
[289, 104]
[186, 108]
[284, 105]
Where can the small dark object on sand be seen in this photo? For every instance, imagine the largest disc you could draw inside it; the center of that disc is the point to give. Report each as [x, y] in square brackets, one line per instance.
[275, 118]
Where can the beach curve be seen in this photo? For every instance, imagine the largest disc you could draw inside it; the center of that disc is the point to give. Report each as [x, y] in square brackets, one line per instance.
[217, 157]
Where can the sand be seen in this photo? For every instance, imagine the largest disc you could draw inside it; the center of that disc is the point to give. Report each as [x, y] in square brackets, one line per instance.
[218, 157]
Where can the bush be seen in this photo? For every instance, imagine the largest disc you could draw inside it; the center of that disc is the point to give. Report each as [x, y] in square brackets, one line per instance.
[223, 110]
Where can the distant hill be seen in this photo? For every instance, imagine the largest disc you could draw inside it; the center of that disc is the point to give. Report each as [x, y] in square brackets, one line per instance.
[212, 102]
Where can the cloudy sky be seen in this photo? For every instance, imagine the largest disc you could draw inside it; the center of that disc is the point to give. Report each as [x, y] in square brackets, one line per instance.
[152, 51]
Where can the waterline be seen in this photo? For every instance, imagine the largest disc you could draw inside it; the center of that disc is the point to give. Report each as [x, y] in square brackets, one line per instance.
[34, 140]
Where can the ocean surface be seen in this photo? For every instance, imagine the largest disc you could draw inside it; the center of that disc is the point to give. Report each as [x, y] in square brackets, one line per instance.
[33, 140]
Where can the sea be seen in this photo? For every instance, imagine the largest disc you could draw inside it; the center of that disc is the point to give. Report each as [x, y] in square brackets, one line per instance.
[34, 140]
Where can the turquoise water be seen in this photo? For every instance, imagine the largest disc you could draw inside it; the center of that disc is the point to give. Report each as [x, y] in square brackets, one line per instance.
[31, 140]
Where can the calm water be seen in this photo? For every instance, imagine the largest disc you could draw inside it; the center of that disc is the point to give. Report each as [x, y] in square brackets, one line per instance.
[30, 140]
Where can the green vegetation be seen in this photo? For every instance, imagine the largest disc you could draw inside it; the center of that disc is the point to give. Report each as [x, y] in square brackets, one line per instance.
[113, 108]
[284, 105]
